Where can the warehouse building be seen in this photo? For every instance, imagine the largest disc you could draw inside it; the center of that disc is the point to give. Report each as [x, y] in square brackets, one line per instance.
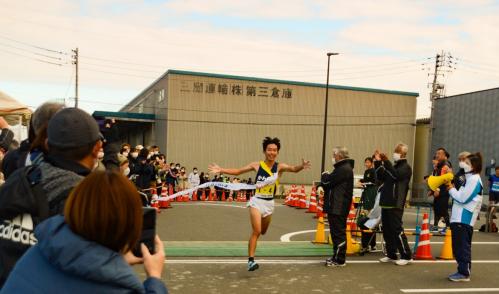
[200, 118]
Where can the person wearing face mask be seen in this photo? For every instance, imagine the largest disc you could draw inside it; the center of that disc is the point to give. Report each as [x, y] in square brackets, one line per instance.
[193, 179]
[394, 184]
[99, 165]
[132, 160]
[441, 196]
[460, 177]
[182, 179]
[338, 187]
[74, 142]
[124, 165]
[465, 210]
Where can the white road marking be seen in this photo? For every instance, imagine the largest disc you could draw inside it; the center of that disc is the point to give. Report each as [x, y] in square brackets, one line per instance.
[287, 238]
[450, 290]
[208, 204]
[308, 261]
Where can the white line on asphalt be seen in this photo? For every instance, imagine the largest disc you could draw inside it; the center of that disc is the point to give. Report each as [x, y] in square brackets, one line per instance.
[305, 261]
[207, 204]
[287, 238]
[450, 290]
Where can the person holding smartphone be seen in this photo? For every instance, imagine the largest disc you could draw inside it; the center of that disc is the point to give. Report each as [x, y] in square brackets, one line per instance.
[88, 250]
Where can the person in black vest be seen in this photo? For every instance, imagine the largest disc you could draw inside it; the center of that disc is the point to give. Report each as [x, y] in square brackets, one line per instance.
[338, 192]
[394, 180]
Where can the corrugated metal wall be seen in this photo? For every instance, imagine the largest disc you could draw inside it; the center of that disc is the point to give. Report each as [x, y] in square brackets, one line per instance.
[228, 129]
[468, 122]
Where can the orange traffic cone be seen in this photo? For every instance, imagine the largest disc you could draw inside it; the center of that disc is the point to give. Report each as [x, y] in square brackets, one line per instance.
[424, 248]
[164, 203]
[351, 219]
[446, 252]
[312, 207]
[195, 196]
[154, 200]
[320, 206]
[223, 195]
[302, 204]
[210, 196]
[170, 189]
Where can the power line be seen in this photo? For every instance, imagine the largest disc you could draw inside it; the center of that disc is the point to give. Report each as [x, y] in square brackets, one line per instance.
[29, 51]
[29, 57]
[34, 46]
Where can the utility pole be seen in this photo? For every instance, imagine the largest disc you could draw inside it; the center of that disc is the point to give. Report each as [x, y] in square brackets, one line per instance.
[75, 62]
[444, 63]
[325, 113]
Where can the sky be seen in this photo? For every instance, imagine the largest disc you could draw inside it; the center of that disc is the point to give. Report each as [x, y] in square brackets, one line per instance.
[124, 45]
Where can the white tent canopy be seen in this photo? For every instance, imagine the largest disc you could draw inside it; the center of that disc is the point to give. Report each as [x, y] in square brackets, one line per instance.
[16, 114]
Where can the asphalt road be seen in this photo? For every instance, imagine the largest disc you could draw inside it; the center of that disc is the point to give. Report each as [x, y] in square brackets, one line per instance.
[206, 253]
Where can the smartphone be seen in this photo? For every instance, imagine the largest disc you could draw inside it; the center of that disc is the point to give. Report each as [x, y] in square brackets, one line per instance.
[148, 231]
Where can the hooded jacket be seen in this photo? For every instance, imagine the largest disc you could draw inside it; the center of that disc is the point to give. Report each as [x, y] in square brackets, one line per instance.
[29, 196]
[63, 262]
[394, 181]
[338, 188]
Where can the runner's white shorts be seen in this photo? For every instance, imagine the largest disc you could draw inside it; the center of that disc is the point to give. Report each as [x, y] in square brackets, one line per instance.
[266, 207]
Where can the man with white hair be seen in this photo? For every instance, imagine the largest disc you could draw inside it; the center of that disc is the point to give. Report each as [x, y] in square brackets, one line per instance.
[338, 188]
[394, 179]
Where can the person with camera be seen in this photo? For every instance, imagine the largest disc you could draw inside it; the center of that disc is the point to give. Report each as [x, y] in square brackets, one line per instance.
[394, 184]
[88, 250]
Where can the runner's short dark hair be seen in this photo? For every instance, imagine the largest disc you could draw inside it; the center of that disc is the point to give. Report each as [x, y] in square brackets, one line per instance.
[267, 141]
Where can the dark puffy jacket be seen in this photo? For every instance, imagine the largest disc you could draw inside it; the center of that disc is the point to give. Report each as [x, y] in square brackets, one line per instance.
[21, 208]
[394, 182]
[63, 262]
[338, 188]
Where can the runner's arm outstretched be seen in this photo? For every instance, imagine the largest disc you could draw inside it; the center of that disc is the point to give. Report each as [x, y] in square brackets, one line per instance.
[283, 167]
[215, 169]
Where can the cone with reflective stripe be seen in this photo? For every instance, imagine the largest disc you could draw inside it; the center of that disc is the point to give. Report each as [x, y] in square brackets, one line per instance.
[195, 196]
[203, 195]
[320, 236]
[164, 204]
[302, 204]
[223, 195]
[423, 252]
[446, 252]
[154, 200]
[312, 207]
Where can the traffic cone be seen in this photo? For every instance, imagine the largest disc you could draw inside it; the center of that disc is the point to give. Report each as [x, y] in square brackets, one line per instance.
[351, 220]
[210, 196]
[170, 189]
[203, 195]
[446, 252]
[195, 196]
[312, 207]
[154, 201]
[185, 198]
[424, 248]
[164, 203]
[320, 237]
[302, 204]
[353, 247]
[320, 207]
[223, 195]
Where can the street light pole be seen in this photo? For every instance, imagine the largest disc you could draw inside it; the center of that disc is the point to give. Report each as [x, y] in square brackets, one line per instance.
[325, 114]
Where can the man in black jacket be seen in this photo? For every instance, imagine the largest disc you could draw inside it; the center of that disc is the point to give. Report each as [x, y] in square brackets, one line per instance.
[394, 181]
[338, 188]
[32, 194]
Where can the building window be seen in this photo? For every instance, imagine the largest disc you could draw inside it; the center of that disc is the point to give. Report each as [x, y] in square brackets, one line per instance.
[141, 108]
[161, 95]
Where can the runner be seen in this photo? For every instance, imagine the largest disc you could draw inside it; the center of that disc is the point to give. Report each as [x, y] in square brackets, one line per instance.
[262, 203]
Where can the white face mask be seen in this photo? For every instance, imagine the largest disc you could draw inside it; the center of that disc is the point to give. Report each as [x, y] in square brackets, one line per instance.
[100, 155]
[396, 156]
[125, 154]
[467, 168]
[135, 154]
[126, 172]
[195, 172]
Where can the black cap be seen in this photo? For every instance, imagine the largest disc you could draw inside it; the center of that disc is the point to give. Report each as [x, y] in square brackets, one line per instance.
[72, 128]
